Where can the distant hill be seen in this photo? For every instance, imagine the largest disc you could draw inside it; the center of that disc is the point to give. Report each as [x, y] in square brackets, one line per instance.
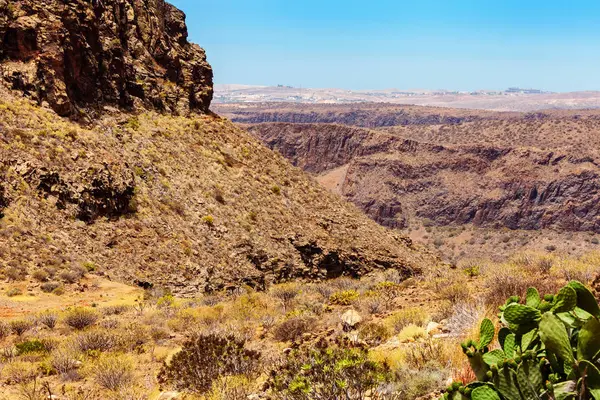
[513, 99]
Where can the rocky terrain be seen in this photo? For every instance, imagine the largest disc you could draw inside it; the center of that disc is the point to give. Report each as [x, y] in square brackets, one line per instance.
[368, 115]
[446, 167]
[393, 178]
[84, 55]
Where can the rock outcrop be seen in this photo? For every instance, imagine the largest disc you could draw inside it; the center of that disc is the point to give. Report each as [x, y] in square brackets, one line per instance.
[86, 54]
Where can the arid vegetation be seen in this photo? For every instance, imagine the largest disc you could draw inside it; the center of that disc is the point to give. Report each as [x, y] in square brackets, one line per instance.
[379, 336]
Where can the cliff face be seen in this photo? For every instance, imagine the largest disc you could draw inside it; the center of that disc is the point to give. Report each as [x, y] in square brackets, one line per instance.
[392, 178]
[86, 54]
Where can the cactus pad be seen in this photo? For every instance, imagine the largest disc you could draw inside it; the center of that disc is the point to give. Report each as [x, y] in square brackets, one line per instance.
[555, 337]
[533, 298]
[585, 299]
[486, 334]
[566, 300]
[519, 314]
[484, 393]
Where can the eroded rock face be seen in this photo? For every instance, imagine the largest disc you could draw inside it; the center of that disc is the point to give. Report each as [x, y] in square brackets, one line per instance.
[105, 191]
[85, 54]
[392, 178]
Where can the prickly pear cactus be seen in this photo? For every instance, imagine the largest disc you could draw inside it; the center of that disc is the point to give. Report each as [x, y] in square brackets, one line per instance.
[547, 348]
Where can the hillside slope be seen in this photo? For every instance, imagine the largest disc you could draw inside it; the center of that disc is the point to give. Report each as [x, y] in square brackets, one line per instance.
[192, 203]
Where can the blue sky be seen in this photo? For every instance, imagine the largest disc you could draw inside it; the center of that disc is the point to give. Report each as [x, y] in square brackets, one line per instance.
[425, 44]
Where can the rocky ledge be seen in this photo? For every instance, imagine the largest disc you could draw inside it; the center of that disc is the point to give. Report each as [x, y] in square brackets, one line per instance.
[83, 55]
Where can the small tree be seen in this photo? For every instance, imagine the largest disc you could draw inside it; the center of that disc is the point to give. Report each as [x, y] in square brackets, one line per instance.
[286, 293]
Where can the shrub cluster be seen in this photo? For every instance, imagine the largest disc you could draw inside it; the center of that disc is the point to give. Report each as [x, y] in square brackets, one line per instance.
[205, 358]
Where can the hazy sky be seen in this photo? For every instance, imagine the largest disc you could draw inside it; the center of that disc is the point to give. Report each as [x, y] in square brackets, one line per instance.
[425, 44]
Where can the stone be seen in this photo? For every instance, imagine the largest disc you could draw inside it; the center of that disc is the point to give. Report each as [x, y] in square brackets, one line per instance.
[351, 319]
[169, 396]
[433, 328]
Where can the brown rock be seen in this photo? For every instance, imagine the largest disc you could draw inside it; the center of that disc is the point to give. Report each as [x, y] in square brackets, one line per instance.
[88, 54]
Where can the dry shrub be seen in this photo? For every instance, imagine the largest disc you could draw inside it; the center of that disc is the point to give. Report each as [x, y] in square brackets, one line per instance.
[133, 336]
[455, 292]
[408, 316]
[49, 319]
[118, 309]
[411, 333]
[344, 283]
[372, 305]
[16, 273]
[230, 388]
[65, 359]
[194, 367]
[49, 287]
[40, 275]
[19, 372]
[418, 355]
[5, 330]
[81, 318]
[508, 280]
[20, 326]
[114, 372]
[293, 328]
[184, 320]
[324, 289]
[95, 340]
[467, 317]
[109, 323]
[374, 333]
[583, 270]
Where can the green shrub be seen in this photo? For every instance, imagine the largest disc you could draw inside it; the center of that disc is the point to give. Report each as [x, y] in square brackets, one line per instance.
[89, 266]
[30, 346]
[549, 346]
[208, 220]
[327, 373]
[472, 270]
[407, 316]
[133, 123]
[344, 297]
[205, 358]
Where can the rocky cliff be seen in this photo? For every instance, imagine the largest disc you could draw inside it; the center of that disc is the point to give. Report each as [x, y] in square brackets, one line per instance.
[83, 55]
[394, 179]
